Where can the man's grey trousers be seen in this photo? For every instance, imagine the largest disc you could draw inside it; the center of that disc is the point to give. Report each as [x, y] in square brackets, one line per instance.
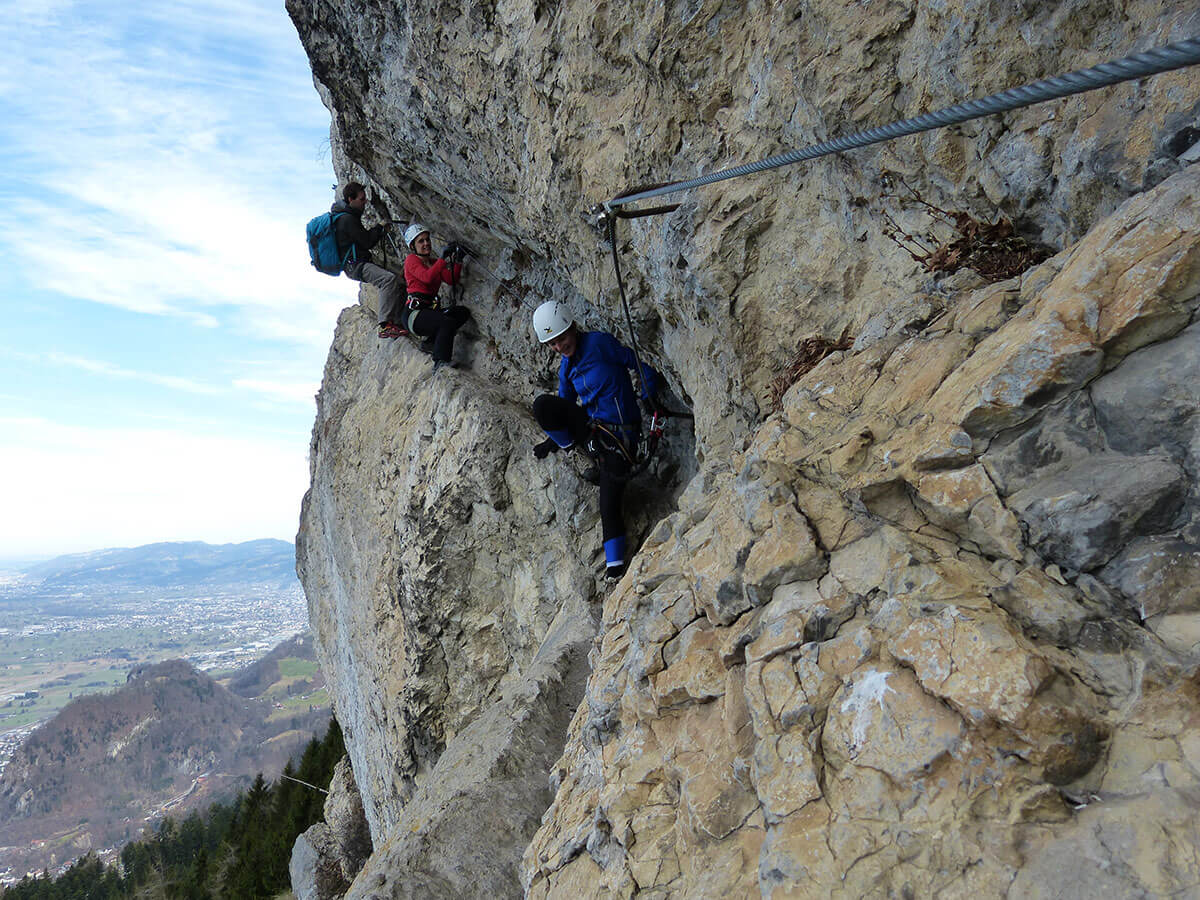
[391, 290]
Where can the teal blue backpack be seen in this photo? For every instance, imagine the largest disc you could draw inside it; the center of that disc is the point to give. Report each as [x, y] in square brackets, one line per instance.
[322, 245]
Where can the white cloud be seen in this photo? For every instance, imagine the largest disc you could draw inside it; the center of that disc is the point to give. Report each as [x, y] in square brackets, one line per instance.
[30, 13]
[270, 394]
[100, 367]
[135, 486]
[276, 390]
[291, 392]
[161, 156]
[166, 164]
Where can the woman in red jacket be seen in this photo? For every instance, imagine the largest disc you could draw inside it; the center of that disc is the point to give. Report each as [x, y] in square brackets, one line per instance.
[425, 275]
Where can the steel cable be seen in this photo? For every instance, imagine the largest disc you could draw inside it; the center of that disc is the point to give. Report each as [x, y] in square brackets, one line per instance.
[497, 279]
[1160, 59]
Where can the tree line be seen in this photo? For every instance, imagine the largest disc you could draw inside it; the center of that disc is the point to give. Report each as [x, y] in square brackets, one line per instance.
[238, 849]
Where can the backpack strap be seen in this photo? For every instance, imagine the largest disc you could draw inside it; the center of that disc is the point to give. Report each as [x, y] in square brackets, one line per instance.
[351, 255]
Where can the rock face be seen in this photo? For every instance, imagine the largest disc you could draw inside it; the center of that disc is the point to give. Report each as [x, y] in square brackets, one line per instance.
[347, 821]
[964, 648]
[329, 854]
[927, 625]
[499, 123]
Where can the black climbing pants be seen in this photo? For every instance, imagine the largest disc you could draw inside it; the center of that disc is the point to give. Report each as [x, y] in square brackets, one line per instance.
[441, 325]
[555, 413]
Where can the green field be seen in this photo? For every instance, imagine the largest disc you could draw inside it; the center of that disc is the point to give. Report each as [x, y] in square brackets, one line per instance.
[294, 667]
[64, 665]
[291, 704]
[51, 698]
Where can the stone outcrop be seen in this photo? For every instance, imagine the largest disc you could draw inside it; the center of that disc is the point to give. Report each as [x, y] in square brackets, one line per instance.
[967, 634]
[346, 820]
[313, 869]
[927, 625]
[327, 857]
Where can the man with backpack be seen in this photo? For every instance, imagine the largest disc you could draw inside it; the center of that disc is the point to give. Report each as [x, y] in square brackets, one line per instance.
[354, 245]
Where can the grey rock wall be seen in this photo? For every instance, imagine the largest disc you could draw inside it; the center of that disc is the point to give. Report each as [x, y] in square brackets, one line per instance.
[500, 123]
[924, 626]
[935, 635]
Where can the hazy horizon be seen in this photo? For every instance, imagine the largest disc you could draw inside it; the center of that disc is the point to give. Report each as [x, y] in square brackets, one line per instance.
[10, 562]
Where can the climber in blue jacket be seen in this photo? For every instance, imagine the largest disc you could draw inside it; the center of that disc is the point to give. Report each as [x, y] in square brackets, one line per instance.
[597, 410]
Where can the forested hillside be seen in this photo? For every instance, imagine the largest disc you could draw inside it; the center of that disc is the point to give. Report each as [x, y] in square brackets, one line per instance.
[236, 849]
[169, 740]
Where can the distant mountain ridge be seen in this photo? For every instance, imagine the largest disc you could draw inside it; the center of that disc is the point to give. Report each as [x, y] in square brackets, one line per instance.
[182, 563]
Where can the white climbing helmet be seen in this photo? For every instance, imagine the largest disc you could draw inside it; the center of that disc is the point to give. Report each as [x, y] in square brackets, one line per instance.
[414, 231]
[550, 320]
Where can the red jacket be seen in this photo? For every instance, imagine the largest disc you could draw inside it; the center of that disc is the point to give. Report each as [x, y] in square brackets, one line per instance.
[426, 279]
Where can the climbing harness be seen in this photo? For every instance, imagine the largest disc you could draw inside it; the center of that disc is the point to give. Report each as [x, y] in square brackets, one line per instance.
[1161, 59]
[639, 456]
[602, 430]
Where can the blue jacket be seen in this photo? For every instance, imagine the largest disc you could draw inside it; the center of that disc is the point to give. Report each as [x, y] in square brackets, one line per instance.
[597, 375]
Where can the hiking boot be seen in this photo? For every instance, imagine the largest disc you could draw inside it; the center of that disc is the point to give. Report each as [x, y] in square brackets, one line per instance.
[612, 573]
[444, 364]
[391, 330]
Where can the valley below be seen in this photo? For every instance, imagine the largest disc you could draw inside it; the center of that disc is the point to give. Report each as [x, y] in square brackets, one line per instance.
[134, 691]
[58, 644]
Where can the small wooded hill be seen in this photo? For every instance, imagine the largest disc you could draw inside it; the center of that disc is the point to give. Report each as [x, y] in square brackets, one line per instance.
[166, 725]
[170, 739]
[235, 849]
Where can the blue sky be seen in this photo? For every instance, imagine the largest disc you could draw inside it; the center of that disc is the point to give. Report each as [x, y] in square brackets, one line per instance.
[162, 333]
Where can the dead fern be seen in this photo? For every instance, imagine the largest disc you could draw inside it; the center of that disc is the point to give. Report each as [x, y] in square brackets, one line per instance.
[810, 352]
[993, 250]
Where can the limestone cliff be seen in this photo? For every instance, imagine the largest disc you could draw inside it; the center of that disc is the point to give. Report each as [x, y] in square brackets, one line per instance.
[924, 623]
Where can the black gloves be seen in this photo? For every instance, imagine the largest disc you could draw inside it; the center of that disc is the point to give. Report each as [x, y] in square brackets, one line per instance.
[545, 448]
[451, 250]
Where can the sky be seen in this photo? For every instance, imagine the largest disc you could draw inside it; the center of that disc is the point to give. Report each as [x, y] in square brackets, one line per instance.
[162, 333]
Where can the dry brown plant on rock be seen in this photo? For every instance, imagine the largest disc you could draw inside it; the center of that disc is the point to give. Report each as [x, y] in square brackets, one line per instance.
[810, 352]
[993, 249]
